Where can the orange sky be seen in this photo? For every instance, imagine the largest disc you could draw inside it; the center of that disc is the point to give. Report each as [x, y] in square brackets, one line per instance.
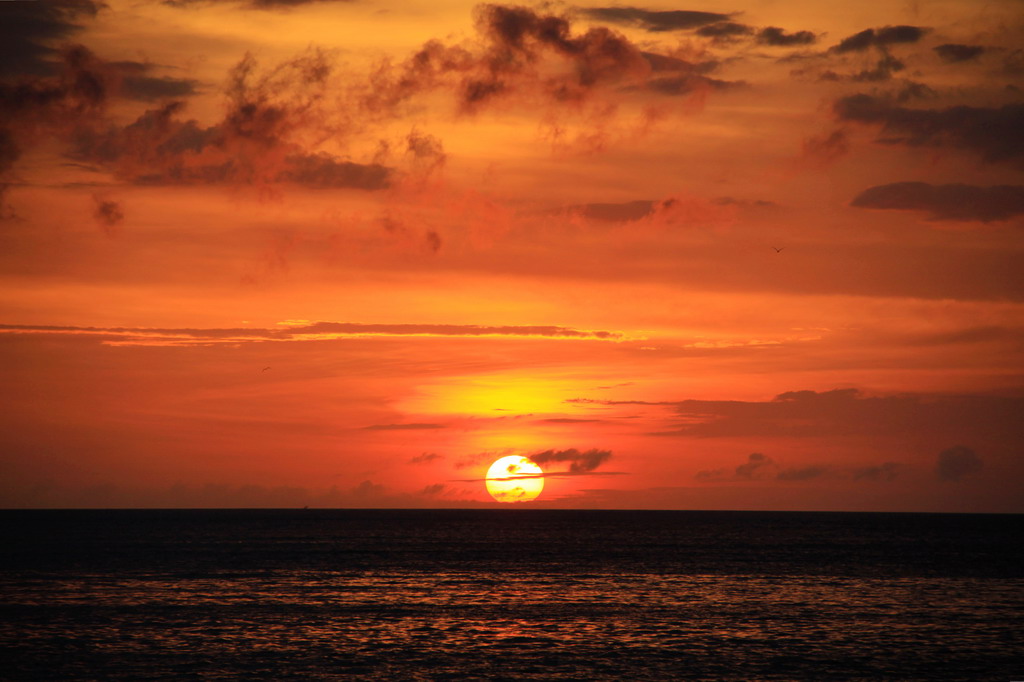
[729, 255]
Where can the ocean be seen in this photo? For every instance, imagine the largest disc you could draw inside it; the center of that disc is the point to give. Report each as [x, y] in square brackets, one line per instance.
[509, 594]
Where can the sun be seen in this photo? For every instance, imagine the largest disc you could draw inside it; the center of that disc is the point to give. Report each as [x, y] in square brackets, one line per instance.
[515, 479]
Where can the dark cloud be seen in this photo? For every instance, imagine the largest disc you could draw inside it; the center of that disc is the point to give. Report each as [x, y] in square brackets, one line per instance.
[883, 70]
[880, 37]
[107, 213]
[255, 4]
[368, 489]
[970, 335]
[426, 458]
[405, 427]
[997, 134]
[946, 202]
[316, 330]
[9, 154]
[806, 473]
[724, 30]
[956, 462]
[567, 420]
[452, 330]
[913, 90]
[825, 148]
[760, 467]
[1013, 63]
[427, 151]
[777, 37]
[755, 467]
[886, 471]
[434, 490]
[433, 241]
[659, 62]
[745, 203]
[325, 171]
[954, 52]
[253, 144]
[629, 211]
[30, 31]
[622, 212]
[39, 108]
[138, 83]
[514, 43]
[81, 88]
[579, 462]
[846, 412]
[756, 463]
[655, 21]
[685, 84]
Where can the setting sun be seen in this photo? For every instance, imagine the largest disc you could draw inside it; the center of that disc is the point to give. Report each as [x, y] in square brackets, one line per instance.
[515, 479]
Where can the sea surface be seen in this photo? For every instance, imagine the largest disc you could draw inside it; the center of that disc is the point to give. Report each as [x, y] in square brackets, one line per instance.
[509, 594]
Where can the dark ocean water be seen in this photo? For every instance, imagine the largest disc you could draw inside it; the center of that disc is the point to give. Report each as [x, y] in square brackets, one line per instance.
[510, 594]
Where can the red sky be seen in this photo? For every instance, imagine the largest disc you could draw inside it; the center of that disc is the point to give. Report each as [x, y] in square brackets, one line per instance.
[728, 255]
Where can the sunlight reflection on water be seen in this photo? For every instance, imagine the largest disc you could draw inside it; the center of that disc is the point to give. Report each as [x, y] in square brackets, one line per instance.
[110, 607]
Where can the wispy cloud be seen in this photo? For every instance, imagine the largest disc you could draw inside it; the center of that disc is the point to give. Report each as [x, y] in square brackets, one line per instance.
[412, 426]
[946, 202]
[317, 331]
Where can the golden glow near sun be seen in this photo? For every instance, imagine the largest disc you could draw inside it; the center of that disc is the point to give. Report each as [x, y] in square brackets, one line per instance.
[515, 479]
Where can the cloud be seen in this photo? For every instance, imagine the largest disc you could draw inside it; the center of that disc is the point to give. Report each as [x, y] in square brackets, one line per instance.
[956, 462]
[149, 88]
[435, 490]
[886, 471]
[880, 38]
[823, 149]
[955, 52]
[433, 241]
[946, 202]
[845, 412]
[367, 489]
[620, 212]
[724, 30]
[426, 458]
[755, 467]
[654, 21]
[760, 467]
[997, 134]
[688, 83]
[325, 171]
[427, 151]
[137, 84]
[29, 30]
[913, 90]
[521, 53]
[579, 462]
[258, 141]
[882, 71]
[81, 88]
[669, 210]
[451, 330]
[317, 331]
[277, 118]
[777, 37]
[271, 114]
[42, 107]
[806, 473]
[567, 420]
[405, 427]
[256, 4]
[755, 464]
[107, 214]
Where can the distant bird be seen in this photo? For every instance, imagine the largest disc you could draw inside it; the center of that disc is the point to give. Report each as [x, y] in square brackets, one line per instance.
[265, 369]
[778, 250]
